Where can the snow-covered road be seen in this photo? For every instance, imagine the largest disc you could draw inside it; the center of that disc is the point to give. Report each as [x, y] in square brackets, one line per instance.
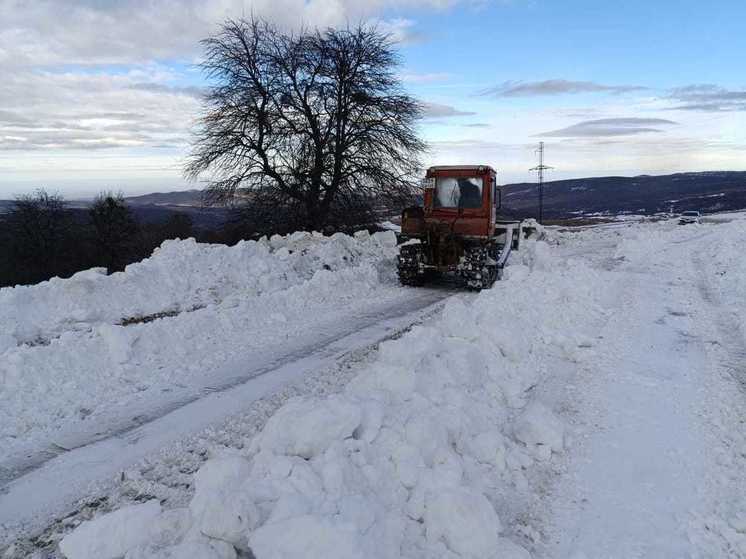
[36, 497]
[657, 467]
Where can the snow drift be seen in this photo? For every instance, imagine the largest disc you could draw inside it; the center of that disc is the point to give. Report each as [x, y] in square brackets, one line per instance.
[413, 459]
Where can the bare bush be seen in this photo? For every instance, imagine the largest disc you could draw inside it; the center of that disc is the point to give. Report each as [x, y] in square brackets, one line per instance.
[41, 237]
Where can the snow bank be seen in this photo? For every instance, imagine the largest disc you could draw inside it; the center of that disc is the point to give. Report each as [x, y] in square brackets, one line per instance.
[179, 276]
[415, 457]
[252, 296]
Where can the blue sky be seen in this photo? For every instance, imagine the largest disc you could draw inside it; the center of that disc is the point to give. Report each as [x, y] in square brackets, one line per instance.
[660, 43]
[101, 95]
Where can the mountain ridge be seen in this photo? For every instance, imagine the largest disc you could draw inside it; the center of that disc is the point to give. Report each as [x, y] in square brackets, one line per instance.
[706, 191]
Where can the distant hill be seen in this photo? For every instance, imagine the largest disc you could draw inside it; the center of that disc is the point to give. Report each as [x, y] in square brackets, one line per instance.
[178, 198]
[644, 194]
[202, 218]
[159, 206]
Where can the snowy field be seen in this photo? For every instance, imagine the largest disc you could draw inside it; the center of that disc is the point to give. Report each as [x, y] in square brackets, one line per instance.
[591, 405]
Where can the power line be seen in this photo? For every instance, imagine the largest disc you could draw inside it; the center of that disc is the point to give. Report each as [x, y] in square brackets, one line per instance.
[540, 169]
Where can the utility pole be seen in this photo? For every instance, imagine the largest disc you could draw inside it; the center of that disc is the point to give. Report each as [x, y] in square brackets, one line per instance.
[540, 169]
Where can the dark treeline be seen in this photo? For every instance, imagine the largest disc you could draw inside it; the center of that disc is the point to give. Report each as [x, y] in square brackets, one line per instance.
[262, 218]
[41, 237]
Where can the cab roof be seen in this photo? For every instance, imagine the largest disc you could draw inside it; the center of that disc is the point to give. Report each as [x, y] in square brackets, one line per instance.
[481, 169]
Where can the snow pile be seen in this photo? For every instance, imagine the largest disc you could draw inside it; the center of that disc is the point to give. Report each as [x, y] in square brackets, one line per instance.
[179, 276]
[256, 295]
[415, 457]
[389, 226]
[537, 229]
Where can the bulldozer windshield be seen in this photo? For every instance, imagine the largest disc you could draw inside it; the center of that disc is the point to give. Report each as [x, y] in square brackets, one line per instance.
[458, 192]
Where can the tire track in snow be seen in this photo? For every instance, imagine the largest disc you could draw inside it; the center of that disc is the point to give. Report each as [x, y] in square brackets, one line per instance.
[50, 488]
[119, 420]
[634, 484]
[721, 531]
[729, 327]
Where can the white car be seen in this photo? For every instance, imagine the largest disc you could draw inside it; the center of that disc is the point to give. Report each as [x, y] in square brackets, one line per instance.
[689, 217]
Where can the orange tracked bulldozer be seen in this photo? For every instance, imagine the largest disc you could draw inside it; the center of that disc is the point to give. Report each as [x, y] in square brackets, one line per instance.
[458, 230]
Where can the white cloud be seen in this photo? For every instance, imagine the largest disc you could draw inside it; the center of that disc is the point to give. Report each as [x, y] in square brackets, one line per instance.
[44, 110]
[437, 110]
[137, 31]
[95, 75]
[609, 127]
[709, 98]
[60, 130]
[555, 87]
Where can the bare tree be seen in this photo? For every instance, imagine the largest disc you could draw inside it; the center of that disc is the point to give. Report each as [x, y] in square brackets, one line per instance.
[41, 230]
[314, 126]
[115, 231]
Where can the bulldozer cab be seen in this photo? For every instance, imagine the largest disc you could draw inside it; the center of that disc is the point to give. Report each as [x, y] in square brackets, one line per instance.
[466, 197]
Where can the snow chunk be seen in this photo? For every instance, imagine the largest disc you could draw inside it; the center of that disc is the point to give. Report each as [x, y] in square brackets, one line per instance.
[540, 430]
[304, 537]
[464, 520]
[507, 549]
[306, 427]
[119, 340]
[489, 448]
[218, 508]
[385, 238]
[6, 342]
[196, 548]
[389, 226]
[277, 241]
[110, 536]
[362, 235]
